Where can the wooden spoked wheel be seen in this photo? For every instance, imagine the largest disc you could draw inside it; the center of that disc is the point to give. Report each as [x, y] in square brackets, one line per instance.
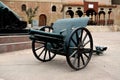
[41, 52]
[79, 48]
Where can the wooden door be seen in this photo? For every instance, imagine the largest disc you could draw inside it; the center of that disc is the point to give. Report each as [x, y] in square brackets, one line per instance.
[42, 20]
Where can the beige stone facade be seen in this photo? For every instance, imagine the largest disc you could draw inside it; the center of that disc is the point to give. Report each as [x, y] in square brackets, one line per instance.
[117, 15]
[45, 9]
[51, 10]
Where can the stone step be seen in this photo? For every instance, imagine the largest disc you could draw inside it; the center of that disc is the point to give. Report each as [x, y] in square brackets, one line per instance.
[14, 43]
[13, 39]
[8, 47]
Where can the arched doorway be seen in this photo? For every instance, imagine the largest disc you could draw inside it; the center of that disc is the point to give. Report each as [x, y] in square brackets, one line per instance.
[110, 20]
[101, 17]
[90, 12]
[93, 16]
[79, 13]
[70, 13]
[42, 20]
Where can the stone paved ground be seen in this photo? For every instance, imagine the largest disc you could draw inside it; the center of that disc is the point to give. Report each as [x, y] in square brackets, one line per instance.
[21, 65]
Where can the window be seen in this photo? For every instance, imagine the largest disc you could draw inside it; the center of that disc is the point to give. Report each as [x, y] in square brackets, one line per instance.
[78, 8]
[79, 13]
[69, 7]
[110, 9]
[71, 13]
[101, 8]
[54, 8]
[90, 5]
[23, 7]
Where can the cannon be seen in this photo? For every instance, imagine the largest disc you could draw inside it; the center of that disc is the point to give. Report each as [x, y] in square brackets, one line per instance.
[67, 37]
[9, 20]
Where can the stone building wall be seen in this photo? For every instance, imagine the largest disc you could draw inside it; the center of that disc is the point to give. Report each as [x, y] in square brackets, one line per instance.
[45, 8]
[105, 2]
[117, 15]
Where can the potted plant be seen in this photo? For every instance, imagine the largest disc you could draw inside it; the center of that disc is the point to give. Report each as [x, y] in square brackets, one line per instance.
[30, 12]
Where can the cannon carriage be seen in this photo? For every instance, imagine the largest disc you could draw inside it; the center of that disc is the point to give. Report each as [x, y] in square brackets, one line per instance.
[67, 37]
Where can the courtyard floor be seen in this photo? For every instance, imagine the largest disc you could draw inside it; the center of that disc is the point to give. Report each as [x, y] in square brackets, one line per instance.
[22, 65]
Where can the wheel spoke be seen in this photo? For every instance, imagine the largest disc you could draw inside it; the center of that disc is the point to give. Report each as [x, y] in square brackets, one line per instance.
[39, 48]
[86, 43]
[84, 37]
[86, 55]
[77, 37]
[74, 41]
[81, 35]
[45, 54]
[73, 53]
[74, 48]
[75, 59]
[49, 54]
[82, 59]
[41, 52]
[78, 61]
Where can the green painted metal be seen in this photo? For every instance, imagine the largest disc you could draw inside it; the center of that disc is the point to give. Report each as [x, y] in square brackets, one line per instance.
[62, 30]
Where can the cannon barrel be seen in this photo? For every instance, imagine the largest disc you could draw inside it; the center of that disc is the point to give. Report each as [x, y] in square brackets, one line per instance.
[45, 36]
[9, 19]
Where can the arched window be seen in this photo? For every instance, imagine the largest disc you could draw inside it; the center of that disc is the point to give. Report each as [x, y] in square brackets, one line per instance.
[71, 13]
[79, 13]
[54, 8]
[23, 7]
[69, 7]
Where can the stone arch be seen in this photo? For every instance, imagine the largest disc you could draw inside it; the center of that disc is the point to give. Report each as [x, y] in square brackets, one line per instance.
[110, 20]
[101, 13]
[91, 12]
[110, 14]
[93, 16]
[102, 17]
[70, 12]
[79, 13]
